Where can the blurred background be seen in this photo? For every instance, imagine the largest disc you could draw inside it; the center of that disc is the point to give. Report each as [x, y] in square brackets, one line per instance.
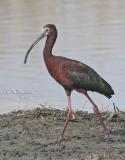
[90, 31]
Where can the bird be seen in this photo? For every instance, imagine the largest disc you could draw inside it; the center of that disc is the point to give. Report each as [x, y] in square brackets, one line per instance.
[71, 75]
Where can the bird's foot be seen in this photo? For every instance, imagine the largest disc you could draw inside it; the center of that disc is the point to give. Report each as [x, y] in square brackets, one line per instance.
[61, 139]
[66, 139]
[106, 132]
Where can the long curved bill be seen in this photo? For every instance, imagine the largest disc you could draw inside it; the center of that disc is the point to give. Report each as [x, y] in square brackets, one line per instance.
[34, 43]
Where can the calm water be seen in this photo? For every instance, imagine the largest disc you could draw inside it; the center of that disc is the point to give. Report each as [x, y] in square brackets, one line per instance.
[90, 31]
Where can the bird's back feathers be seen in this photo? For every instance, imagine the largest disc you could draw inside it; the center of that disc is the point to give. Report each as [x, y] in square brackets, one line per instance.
[84, 77]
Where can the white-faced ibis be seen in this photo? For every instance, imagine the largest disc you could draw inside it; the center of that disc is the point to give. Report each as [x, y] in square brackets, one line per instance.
[71, 74]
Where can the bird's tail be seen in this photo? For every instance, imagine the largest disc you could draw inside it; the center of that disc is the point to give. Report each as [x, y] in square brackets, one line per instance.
[107, 89]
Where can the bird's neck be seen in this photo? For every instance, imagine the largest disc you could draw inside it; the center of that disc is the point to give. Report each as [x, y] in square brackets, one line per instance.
[50, 41]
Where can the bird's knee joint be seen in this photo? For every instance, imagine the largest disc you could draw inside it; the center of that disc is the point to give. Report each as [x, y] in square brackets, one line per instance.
[96, 109]
[70, 112]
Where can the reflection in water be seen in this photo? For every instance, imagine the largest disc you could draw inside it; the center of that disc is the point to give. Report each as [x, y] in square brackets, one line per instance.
[90, 31]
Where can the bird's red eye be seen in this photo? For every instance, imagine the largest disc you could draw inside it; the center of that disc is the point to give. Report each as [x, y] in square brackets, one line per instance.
[47, 30]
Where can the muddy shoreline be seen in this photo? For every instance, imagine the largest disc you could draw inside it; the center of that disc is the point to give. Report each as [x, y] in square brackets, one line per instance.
[34, 135]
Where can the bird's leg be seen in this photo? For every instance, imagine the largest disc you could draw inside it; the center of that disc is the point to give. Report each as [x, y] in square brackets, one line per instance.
[69, 108]
[96, 110]
[69, 115]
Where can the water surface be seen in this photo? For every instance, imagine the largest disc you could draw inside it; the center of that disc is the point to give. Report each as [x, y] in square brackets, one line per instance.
[90, 31]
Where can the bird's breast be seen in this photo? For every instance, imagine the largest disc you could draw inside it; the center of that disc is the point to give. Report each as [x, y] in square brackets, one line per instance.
[55, 68]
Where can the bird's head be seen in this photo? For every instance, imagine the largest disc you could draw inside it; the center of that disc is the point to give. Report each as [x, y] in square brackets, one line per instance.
[47, 31]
